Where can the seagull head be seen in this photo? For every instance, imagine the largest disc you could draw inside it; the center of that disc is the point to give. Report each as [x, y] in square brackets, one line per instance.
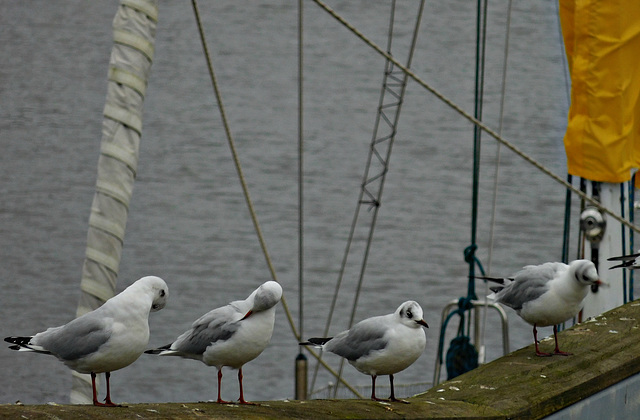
[265, 297]
[410, 314]
[585, 273]
[158, 290]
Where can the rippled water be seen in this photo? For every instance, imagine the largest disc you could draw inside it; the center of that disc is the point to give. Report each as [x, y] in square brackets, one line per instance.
[188, 222]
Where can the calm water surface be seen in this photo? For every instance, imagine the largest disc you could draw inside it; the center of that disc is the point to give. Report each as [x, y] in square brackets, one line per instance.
[188, 222]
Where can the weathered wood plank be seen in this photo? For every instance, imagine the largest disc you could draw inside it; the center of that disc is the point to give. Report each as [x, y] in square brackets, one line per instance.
[520, 385]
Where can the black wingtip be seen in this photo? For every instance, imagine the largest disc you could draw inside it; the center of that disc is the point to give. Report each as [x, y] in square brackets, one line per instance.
[20, 341]
[496, 289]
[499, 280]
[315, 341]
[629, 257]
[158, 350]
[623, 265]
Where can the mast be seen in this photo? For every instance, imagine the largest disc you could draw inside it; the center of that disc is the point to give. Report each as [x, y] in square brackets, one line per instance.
[134, 28]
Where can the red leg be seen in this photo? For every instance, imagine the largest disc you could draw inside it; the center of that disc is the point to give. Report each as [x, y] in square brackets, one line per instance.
[373, 389]
[393, 396]
[557, 350]
[242, 400]
[107, 400]
[535, 339]
[93, 385]
[220, 400]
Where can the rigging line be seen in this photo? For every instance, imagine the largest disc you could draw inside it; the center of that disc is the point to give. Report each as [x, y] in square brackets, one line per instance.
[360, 201]
[494, 204]
[563, 56]
[246, 191]
[478, 102]
[475, 121]
[300, 170]
[500, 125]
[236, 161]
[385, 162]
[334, 373]
[632, 202]
[388, 156]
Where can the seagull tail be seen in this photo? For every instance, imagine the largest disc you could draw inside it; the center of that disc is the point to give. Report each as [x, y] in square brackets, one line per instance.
[316, 341]
[23, 344]
[162, 351]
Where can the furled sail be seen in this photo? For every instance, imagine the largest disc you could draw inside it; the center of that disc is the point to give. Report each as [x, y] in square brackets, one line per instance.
[134, 28]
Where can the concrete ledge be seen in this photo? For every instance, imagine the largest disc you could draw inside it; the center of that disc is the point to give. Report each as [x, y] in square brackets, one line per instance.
[520, 385]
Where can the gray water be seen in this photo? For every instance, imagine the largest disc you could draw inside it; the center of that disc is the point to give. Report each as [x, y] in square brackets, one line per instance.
[188, 222]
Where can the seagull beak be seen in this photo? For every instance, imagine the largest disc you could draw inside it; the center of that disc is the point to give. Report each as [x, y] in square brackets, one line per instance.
[423, 323]
[247, 315]
[602, 283]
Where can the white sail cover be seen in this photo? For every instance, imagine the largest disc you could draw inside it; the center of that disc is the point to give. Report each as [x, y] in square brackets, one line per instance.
[134, 28]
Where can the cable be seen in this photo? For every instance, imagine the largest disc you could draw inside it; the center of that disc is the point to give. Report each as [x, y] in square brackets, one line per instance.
[475, 121]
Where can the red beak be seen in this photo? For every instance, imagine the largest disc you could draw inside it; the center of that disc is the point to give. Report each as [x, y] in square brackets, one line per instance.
[247, 315]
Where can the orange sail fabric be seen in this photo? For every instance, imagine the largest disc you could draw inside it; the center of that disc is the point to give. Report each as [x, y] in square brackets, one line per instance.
[602, 43]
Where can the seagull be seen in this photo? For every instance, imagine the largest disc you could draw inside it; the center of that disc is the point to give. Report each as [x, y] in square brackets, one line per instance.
[231, 335]
[630, 261]
[547, 294]
[106, 339]
[381, 345]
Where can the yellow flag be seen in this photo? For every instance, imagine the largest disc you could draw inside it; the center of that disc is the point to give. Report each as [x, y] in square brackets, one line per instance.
[602, 43]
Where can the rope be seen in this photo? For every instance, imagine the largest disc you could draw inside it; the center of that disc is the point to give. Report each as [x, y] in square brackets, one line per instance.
[481, 32]
[475, 121]
[246, 193]
[563, 57]
[375, 199]
[632, 200]
[300, 171]
[500, 123]
[624, 246]
[236, 162]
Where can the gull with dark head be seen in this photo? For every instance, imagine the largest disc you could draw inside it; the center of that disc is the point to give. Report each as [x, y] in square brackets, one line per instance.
[106, 339]
[231, 335]
[381, 345]
[547, 294]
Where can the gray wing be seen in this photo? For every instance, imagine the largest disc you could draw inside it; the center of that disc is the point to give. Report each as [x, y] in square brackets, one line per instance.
[529, 284]
[363, 338]
[217, 325]
[78, 338]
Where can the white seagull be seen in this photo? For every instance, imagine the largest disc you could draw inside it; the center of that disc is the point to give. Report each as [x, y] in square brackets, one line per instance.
[381, 345]
[231, 335]
[106, 339]
[630, 261]
[547, 294]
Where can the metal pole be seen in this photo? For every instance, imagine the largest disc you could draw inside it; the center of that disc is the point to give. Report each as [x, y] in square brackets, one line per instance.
[301, 359]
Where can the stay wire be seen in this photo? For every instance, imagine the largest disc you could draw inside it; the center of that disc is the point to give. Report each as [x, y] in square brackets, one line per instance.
[246, 192]
[475, 121]
[494, 204]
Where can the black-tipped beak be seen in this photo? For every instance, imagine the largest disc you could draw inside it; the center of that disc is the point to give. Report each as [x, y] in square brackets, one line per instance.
[247, 315]
[423, 323]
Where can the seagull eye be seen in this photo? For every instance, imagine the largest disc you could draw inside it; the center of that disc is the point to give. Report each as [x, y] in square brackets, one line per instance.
[162, 293]
[409, 314]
